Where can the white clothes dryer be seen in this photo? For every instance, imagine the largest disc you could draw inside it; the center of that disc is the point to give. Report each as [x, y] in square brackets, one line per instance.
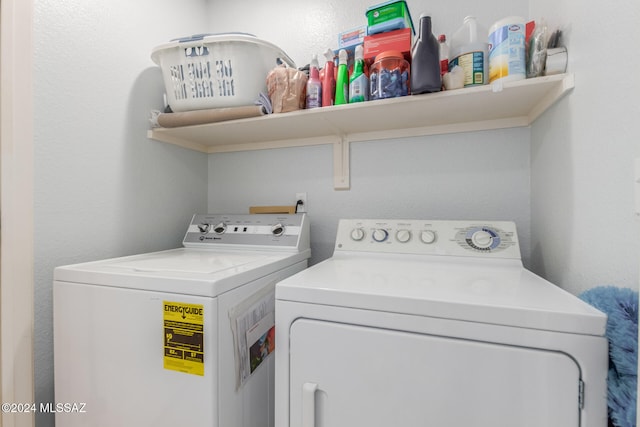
[435, 323]
[182, 337]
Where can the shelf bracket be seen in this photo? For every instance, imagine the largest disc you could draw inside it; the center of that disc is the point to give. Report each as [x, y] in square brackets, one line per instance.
[341, 179]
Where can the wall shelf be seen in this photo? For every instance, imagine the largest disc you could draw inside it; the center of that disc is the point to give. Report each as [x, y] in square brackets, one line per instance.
[512, 104]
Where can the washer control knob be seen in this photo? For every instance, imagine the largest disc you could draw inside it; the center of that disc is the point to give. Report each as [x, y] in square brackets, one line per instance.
[380, 235]
[428, 236]
[277, 230]
[204, 228]
[220, 228]
[403, 236]
[357, 234]
[482, 239]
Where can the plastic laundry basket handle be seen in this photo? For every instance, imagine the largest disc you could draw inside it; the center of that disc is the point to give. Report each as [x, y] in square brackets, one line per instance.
[309, 404]
[282, 56]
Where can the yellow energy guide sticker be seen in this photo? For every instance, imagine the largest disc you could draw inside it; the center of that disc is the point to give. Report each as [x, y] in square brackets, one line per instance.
[183, 337]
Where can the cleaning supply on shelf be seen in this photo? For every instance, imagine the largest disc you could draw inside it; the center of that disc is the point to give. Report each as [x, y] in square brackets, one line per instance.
[507, 50]
[454, 79]
[342, 79]
[444, 54]
[388, 16]
[314, 85]
[359, 82]
[389, 76]
[425, 60]
[469, 49]
[328, 80]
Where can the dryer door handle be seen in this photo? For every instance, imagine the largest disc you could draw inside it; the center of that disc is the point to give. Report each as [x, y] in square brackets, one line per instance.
[309, 404]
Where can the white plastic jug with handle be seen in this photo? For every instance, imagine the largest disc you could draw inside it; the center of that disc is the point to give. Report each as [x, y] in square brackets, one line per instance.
[469, 50]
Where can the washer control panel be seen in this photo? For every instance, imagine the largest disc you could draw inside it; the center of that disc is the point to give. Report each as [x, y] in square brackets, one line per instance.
[459, 238]
[277, 230]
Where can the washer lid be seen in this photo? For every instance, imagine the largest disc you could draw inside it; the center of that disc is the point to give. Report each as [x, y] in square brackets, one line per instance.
[188, 271]
[197, 262]
[494, 291]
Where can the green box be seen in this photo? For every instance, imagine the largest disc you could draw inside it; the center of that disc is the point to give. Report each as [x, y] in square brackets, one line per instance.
[389, 16]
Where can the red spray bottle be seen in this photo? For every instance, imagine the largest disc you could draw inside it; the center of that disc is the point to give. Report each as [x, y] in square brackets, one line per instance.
[328, 79]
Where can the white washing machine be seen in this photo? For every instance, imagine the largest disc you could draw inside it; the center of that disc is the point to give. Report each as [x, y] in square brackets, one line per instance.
[182, 337]
[435, 323]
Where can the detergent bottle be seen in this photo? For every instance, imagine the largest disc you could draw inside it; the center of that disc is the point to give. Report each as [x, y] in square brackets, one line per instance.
[470, 50]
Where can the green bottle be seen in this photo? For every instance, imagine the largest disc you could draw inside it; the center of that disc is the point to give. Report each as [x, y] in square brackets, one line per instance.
[342, 80]
[358, 83]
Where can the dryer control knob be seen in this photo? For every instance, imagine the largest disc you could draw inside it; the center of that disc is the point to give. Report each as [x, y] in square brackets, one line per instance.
[204, 228]
[277, 229]
[403, 236]
[220, 228]
[380, 235]
[482, 239]
[357, 234]
[428, 236]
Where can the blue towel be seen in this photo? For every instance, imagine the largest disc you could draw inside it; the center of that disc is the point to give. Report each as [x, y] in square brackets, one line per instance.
[621, 307]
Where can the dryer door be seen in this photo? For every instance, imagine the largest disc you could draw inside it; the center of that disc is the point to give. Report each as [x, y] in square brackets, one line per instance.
[344, 376]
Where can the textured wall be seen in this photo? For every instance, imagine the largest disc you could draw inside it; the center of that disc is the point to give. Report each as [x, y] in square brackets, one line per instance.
[102, 188]
[584, 229]
[483, 175]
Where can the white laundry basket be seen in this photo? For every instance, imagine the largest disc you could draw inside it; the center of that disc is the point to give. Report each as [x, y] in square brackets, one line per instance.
[216, 71]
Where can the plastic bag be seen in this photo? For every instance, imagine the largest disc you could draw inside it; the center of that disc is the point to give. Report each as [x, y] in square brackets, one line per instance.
[287, 89]
[537, 51]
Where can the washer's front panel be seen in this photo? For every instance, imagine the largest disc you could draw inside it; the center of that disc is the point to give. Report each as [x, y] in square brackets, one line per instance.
[346, 375]
[134, 358]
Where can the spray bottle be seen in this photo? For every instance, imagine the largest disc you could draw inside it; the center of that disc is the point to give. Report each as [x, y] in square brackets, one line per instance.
[314, 86]
[359, 83]
[328, 80]
[342, 80]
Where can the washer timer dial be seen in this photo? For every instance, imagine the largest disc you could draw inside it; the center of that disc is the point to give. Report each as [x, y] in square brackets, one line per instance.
[204, 228]
[277, 230]
[220, 228]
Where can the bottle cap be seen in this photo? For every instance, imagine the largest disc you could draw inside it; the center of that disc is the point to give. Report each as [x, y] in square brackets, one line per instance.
[359, 52]
[389, 54]
[329, 55]
[342, 57]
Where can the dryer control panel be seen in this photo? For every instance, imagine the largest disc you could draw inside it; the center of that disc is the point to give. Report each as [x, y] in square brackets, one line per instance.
[496, 239]
[268, 230]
